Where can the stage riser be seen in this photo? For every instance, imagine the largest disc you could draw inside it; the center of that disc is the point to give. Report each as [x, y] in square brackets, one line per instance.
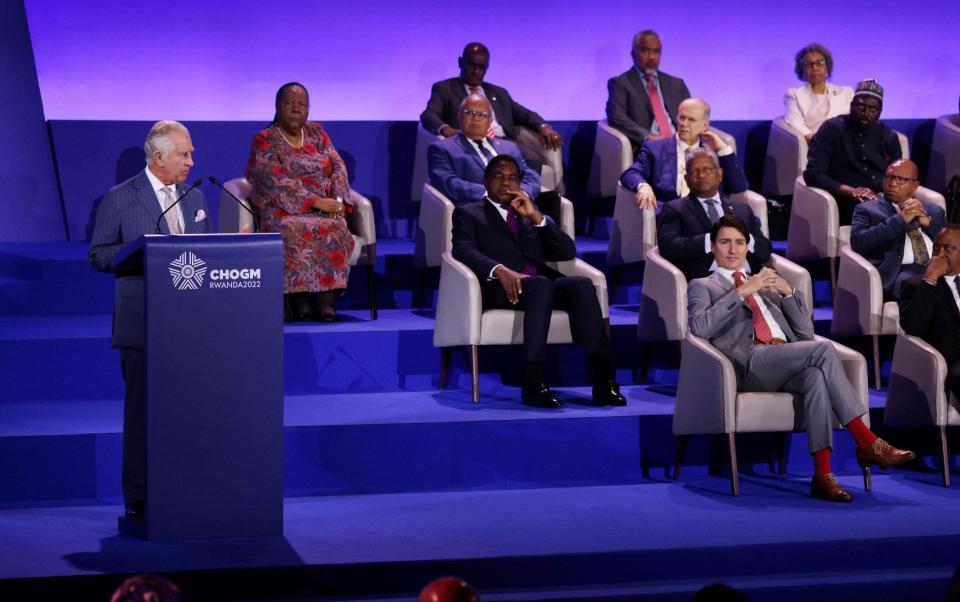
[316, 360]
[437, 456]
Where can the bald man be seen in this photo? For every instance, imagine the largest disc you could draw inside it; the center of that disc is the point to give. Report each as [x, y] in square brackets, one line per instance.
[896, 231]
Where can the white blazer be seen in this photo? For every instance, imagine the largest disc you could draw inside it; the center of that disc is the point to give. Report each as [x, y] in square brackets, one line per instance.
[800, 106]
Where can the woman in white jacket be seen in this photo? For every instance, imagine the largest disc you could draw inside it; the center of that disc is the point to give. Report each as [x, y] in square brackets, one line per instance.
[809, 105]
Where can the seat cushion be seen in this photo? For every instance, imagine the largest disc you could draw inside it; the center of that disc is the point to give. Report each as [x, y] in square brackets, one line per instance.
[505, 327]
[766, 412]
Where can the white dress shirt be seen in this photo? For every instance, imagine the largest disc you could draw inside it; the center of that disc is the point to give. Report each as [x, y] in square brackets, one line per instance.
[486, 144]
[775, 329]
[157, 186]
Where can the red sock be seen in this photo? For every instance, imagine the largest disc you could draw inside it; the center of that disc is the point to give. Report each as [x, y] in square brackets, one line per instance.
[821, 462]
[861, 434]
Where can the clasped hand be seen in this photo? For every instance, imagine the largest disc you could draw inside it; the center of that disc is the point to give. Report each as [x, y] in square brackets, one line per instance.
[766, 278]
[912, 209]
[332, 207]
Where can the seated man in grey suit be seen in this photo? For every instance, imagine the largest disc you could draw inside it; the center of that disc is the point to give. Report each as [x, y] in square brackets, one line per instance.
[455, 165]
[507, 114]
[767, 333]
[658, 173]
[895, 232]
[128, 211]
[643, 101]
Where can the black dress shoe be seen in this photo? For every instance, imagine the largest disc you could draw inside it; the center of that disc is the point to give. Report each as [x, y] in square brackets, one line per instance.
[540, 396]
[608, 394]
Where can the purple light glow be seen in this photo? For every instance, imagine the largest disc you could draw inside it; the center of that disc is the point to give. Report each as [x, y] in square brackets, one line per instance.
[375, 60]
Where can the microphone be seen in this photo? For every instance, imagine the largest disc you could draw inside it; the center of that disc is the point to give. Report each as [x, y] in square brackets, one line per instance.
[174, 204]
[253, 214]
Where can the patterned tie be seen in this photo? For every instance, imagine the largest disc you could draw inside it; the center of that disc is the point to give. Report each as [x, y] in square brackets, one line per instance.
[513, 224]
[476, 90]
[761, 330]
[487, 155]
[659, 113]
[920, 255]
[712, 214]
[169, 199]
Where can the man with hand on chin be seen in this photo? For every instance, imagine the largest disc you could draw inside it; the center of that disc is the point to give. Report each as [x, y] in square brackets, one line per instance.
[767, 333]
[930, 304]
[506, 241]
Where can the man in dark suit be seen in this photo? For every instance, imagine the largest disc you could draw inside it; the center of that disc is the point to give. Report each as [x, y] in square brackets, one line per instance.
[658, 172]
[767, 333]
[848, 154]
[128, 211]
[456, 165]
[446, 96]
[930, 304]
[895, 232]
[643, 101]
[683, 225]
[507, 242]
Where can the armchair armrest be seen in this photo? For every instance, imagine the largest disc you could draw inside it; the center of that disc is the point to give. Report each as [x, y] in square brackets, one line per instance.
[904, 144]
[633, 232]
[459, 305]
[797, 276]
[855, 367]
[434, 226]
[858, 302]
[578, 267]
[530, 145]
[758, 205]
[814, 223]
[363, 228]
[567, 220]
[786, 158]
[612, 155]
[916, 394]
[663, 301]
[419, 176]
[706, 391]
[931, 196]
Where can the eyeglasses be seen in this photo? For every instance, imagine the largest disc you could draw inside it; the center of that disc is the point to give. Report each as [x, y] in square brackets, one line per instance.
[819, 63]
[475, 113]
[702, 171]
[900, 180]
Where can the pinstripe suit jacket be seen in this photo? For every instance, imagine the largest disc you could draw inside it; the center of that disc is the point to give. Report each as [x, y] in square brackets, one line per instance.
[128, 211]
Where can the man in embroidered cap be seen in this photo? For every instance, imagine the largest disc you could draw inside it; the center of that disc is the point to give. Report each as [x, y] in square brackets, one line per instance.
[849, 153]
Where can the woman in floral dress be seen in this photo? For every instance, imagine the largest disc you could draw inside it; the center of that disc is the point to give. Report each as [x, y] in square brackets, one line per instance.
[300, 187]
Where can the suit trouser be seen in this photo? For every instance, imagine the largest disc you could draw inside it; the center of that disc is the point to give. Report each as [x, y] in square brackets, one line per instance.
[133, 480]
[574, 294]
[812, 371]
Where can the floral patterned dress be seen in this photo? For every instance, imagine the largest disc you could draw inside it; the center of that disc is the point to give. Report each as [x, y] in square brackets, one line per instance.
[286, 181]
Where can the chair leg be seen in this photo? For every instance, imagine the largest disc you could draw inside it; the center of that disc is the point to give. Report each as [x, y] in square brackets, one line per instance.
[734, 470]
[475, 373]
[445, 354]
[782, 453]
[833, 276]
[682, 441]
[372, 290]
[867, 479]
[876, 362]
[944, 456]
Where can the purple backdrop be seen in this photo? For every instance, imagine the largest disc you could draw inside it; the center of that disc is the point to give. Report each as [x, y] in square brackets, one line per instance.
[375, 59]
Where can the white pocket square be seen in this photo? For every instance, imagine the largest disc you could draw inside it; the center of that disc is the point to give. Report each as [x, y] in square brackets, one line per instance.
[199, 216]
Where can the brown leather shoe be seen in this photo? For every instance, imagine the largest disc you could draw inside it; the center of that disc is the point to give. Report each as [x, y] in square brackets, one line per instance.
[883, 454]
[827, 488]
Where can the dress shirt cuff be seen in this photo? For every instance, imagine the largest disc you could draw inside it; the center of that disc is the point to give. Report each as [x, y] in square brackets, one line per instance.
[543, 221]
[641, 185]
[491, 276]
[725, 152]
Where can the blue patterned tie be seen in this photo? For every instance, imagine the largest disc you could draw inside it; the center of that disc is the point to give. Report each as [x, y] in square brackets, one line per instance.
[712, 214]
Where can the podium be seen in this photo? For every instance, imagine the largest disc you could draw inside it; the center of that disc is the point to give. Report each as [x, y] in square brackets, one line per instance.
[214, 384]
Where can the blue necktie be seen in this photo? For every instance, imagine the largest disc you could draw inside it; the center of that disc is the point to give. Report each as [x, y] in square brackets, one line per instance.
[483, 149]
[712, 214]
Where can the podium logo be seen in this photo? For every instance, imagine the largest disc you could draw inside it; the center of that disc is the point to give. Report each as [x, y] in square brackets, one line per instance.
[187, 271]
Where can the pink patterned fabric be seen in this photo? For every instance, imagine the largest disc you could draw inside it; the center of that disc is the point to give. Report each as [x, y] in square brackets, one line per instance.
[286, 181]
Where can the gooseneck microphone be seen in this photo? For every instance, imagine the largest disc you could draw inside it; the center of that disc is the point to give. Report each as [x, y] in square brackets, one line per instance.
[253, 214]
[174, 204]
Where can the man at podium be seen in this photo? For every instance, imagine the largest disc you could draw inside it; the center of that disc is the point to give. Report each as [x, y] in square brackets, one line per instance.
[128, 211]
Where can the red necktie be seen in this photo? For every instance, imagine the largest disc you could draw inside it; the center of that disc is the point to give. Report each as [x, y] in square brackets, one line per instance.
[761, 330]
[659, 113]
[476, 90]
[513, 224]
